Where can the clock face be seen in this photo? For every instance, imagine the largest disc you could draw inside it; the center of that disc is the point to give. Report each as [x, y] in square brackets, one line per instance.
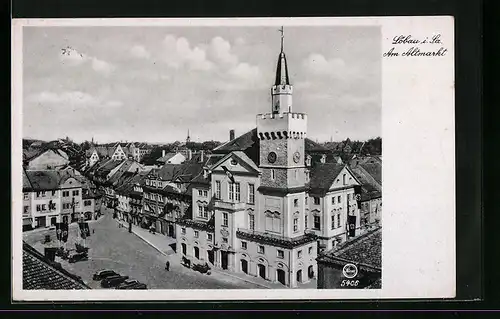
[271, 158]
[296, 157]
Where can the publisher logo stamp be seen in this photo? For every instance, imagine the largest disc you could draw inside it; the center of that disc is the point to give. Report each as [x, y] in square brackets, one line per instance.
[350, 271]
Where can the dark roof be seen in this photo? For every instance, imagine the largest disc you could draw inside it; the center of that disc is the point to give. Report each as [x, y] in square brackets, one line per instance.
[165, 158]
[44, 180]
[40, 273]
[374, 168]
[369, 187]
[322, 176]
[26, 182]
[365, 249]
[249, 144]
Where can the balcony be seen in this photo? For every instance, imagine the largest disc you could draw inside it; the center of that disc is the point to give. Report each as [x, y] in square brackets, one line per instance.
[234, 206]
[273, 239]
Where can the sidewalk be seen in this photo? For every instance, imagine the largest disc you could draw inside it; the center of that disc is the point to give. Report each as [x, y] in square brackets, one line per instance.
[162, 244]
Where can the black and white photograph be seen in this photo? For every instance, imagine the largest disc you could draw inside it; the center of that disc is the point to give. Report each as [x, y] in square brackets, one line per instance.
[190, 156]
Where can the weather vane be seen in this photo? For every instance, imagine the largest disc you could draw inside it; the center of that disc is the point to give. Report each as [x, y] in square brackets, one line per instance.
[282, 30]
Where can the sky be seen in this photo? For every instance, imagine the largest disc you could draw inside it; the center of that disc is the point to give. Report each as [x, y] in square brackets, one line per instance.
[153, 84]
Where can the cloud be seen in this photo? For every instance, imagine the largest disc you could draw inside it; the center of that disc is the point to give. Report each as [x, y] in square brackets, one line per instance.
[246, 72]
[220, 51]
[318, 64]
[140, 52]
[72, 57]
[102, 66]
[178, 53]
[240, 41]
[71, 99]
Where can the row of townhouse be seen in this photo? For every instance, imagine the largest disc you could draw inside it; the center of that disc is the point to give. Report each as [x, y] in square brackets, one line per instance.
[268, 202]
[117, 151]
[51, 196]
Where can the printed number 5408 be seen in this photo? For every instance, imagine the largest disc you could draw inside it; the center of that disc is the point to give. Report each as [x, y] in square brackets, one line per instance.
[349, 283]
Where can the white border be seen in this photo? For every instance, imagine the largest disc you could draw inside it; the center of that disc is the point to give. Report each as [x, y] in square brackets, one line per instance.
[418, 172]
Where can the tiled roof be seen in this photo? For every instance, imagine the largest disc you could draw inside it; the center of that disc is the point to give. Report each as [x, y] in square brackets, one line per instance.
[374, 168]
[44, 180]
[249, 144]
[322, 176]
[165, 158]
[26, 182]
[40, 273]
[365, 249]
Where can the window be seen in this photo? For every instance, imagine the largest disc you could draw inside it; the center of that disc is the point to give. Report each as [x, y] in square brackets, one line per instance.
[338, 220]
[231, 191]
[196, 234]
[146, 195]
[43, 193]
[243, 245]
[251, 221]
[77, 204]
[295, 203]
[317, 222]
[53, 193]
[238, 191]
[200, 192]
[153, 183]
[281, 253]
[200, 211]
[217, 189]
[38, 207]
[26, 196]
[339, 199]
[75, 193]
[205, 193]
[333, 221]
[209, 237]
[261, 249]
[316, 200]
[147, 182]
[333, 200]
[272, 174]
[348, 197]
[295, 225]
[87, 203]
[310, 250]
[37, 194]
[44, 207]
[183, 231]
[343, 179]
[305, 222]
[26, 208]
[299, 254]
[224, 219]
[306, 200]
[160, 198]
[224, 240]
[251, 193]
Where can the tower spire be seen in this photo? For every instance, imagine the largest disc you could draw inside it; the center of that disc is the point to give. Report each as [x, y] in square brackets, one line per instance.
[282, 68]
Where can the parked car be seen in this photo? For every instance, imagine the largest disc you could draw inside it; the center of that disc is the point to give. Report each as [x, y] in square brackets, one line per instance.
[74, 257]
[127, 283]
[101, 274]
[138, 286]
[202, 268]
[113, 281]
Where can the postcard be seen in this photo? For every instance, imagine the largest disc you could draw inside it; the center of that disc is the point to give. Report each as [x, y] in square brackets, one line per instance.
[233, 159]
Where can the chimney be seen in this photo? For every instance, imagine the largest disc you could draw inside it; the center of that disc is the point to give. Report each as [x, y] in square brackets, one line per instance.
[163, 153]
[231, 135]
[190, 154]
[202, 154]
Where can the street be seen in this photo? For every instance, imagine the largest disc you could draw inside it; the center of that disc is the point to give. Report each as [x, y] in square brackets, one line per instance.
[115, 248]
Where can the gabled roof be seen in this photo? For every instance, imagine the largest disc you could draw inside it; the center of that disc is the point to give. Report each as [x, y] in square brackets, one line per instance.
[322, 176]
[238, 154]
[40, 273]
[44, 180]
[249, 144]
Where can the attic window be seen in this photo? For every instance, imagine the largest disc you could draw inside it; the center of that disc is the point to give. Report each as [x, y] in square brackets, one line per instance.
[233, 162]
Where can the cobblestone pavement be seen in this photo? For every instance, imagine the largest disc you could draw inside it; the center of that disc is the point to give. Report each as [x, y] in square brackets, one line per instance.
[164, 245]
[113, 247]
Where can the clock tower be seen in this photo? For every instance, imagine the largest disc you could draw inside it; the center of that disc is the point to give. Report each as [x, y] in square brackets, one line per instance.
[282, 134]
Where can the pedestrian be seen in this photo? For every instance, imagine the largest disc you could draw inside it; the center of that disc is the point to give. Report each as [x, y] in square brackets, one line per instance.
[167, 265]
